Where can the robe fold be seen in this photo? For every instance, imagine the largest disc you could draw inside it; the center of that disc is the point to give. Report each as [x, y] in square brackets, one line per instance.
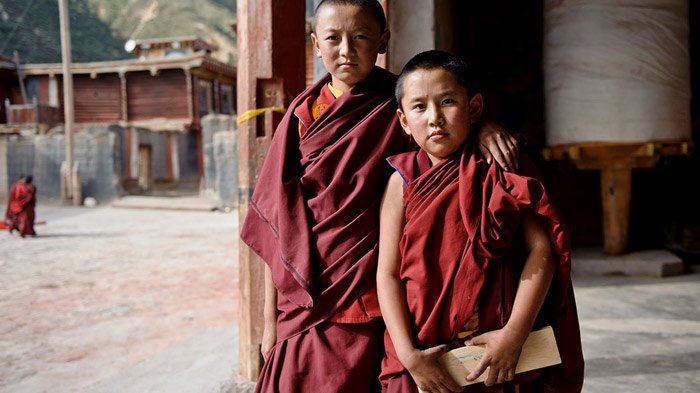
[314, 219]
[462, 247]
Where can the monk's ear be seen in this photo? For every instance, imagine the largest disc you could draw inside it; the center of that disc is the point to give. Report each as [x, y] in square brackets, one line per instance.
[403, 121]
[314, 42]
[384, 41]
[476, 106]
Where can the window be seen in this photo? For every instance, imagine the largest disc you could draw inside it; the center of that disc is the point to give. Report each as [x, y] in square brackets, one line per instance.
[206, 99]
[227, 99]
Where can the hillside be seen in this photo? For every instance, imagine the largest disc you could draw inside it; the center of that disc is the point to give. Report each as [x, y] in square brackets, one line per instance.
[208, 19]
[31, 27]
[99, 28]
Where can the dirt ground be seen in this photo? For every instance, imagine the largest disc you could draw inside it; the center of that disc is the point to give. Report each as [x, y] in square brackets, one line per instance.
[109, 299]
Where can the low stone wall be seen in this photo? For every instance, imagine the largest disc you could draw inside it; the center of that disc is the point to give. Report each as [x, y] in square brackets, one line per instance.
[96, 149]
[226, 163]
[220, 156]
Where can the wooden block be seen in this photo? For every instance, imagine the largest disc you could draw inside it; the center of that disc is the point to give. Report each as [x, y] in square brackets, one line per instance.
[540, 350]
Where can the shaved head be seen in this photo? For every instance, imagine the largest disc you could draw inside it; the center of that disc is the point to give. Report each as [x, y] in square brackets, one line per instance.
[370, 5]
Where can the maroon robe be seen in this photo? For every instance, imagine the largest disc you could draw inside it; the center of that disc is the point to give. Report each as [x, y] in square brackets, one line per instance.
[462, 245]
[314, 218]
[20, 208]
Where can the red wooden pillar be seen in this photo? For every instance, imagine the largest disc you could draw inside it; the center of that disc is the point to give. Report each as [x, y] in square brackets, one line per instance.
[270, 41]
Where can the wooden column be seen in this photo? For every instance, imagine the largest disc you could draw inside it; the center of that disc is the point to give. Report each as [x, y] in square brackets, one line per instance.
[270, 73]
[190, 98]
[616, 194]
[123, 99]
[68, 104]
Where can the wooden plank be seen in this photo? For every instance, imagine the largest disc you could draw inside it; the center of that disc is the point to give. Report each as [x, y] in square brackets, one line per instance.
[539, 351]
[596, 155]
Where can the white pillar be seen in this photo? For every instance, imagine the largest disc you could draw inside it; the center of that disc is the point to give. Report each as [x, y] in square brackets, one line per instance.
[616, 71]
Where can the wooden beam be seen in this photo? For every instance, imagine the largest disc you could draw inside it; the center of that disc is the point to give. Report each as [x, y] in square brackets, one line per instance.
[270, 72]
[20, 77]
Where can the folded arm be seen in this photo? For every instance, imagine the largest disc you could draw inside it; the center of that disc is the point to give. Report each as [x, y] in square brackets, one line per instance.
[503, 346]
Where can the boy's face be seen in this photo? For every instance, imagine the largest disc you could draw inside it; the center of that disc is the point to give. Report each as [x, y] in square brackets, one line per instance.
[348, 40]
[436, 111]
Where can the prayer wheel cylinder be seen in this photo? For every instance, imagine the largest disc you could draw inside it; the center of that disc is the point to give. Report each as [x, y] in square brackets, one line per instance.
[616, 71]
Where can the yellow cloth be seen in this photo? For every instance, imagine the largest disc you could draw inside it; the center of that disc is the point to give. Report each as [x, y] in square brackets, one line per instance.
[318, 108]
[471, 327]
[336, 92]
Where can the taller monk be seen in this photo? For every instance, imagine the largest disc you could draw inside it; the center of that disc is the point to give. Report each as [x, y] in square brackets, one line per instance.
[314, 214]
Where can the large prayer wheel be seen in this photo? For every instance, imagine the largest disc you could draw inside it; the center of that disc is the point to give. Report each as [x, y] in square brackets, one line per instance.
[616, 71]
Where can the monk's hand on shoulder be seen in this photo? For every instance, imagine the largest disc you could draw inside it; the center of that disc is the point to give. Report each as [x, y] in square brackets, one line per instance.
[496, 143]
[428, 372]
[500, 357]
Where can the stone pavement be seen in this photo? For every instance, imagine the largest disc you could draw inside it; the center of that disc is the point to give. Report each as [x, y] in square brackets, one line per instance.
[122, 300]
[640, 334]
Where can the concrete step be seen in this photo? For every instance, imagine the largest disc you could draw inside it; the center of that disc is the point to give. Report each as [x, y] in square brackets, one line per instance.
[191, 203]
[649, 263]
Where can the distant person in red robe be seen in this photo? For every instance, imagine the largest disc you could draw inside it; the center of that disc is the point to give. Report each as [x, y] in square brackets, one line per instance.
[19, 214]
[468, 253]
[314, 214]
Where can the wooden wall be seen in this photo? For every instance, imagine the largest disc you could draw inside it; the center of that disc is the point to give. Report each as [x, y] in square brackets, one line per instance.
[161, 96]
[44, 90]
[97, 100]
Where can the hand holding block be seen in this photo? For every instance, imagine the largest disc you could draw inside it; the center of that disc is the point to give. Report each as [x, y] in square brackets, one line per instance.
[539, 351]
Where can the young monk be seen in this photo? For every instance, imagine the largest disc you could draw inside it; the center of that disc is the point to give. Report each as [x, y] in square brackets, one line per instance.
[314, 215]
[450, 264]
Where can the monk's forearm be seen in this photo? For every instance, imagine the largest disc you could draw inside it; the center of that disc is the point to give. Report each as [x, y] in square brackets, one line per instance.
[270, 307]
[532, 290]
[390, 290]
[392, 301]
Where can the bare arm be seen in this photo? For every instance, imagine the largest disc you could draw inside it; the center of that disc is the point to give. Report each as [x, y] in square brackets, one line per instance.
[422, 364]
[503, 346]
[270, 315]
[496, 143]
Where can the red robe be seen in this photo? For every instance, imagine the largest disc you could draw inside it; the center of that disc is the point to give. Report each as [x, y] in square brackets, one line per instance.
[461, 245]
[20, 208]
[313, 219]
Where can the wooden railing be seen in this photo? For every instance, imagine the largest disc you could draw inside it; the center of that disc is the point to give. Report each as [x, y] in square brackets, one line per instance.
[33, 113]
